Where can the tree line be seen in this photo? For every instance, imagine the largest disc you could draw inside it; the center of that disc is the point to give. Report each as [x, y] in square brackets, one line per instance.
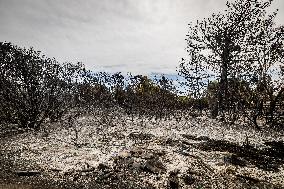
[35, 88]
[234, 71]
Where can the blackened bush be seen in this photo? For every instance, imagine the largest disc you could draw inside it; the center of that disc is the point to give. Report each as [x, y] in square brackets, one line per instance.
[32, 87]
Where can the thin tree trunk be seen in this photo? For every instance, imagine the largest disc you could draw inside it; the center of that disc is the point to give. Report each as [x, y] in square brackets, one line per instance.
[272, 106]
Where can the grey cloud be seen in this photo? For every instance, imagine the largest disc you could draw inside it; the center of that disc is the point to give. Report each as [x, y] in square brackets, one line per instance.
[126, 35]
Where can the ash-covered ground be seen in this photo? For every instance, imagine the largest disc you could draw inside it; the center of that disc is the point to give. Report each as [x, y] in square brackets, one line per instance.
[112, 150]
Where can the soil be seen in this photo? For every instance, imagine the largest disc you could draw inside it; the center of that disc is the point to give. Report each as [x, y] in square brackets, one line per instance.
[192, 153]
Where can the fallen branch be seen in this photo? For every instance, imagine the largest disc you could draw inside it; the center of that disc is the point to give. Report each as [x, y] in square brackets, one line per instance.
[27, 173]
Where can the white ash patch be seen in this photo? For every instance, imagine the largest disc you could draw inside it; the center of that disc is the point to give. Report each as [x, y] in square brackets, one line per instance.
[101, 143]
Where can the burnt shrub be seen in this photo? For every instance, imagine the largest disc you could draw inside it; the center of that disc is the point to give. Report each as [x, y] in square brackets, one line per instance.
[32, 87]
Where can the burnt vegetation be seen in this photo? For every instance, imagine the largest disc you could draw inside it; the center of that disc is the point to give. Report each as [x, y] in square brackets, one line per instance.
[240, 55]
[234, 73]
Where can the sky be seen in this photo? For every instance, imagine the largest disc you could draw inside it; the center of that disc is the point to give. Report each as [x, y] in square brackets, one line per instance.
[138, 36]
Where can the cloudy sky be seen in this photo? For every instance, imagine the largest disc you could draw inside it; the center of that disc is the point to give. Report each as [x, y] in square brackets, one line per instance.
[139, 36]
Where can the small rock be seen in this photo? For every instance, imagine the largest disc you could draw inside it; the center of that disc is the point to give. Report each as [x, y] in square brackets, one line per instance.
[235, 160]
[130, 162]
[184, 152]
[103, 167]
[171, 142]
[136, 165]
[136, 152]
[231, 170]
[124, 154]
[106, 176]
[173, 182]
[160, 153]
[154, 166]
[147, 155]
[188, 179]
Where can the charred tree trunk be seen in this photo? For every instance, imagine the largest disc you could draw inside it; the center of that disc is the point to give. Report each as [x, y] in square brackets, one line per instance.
[272, 107]
[223, 85]
[222, 93]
